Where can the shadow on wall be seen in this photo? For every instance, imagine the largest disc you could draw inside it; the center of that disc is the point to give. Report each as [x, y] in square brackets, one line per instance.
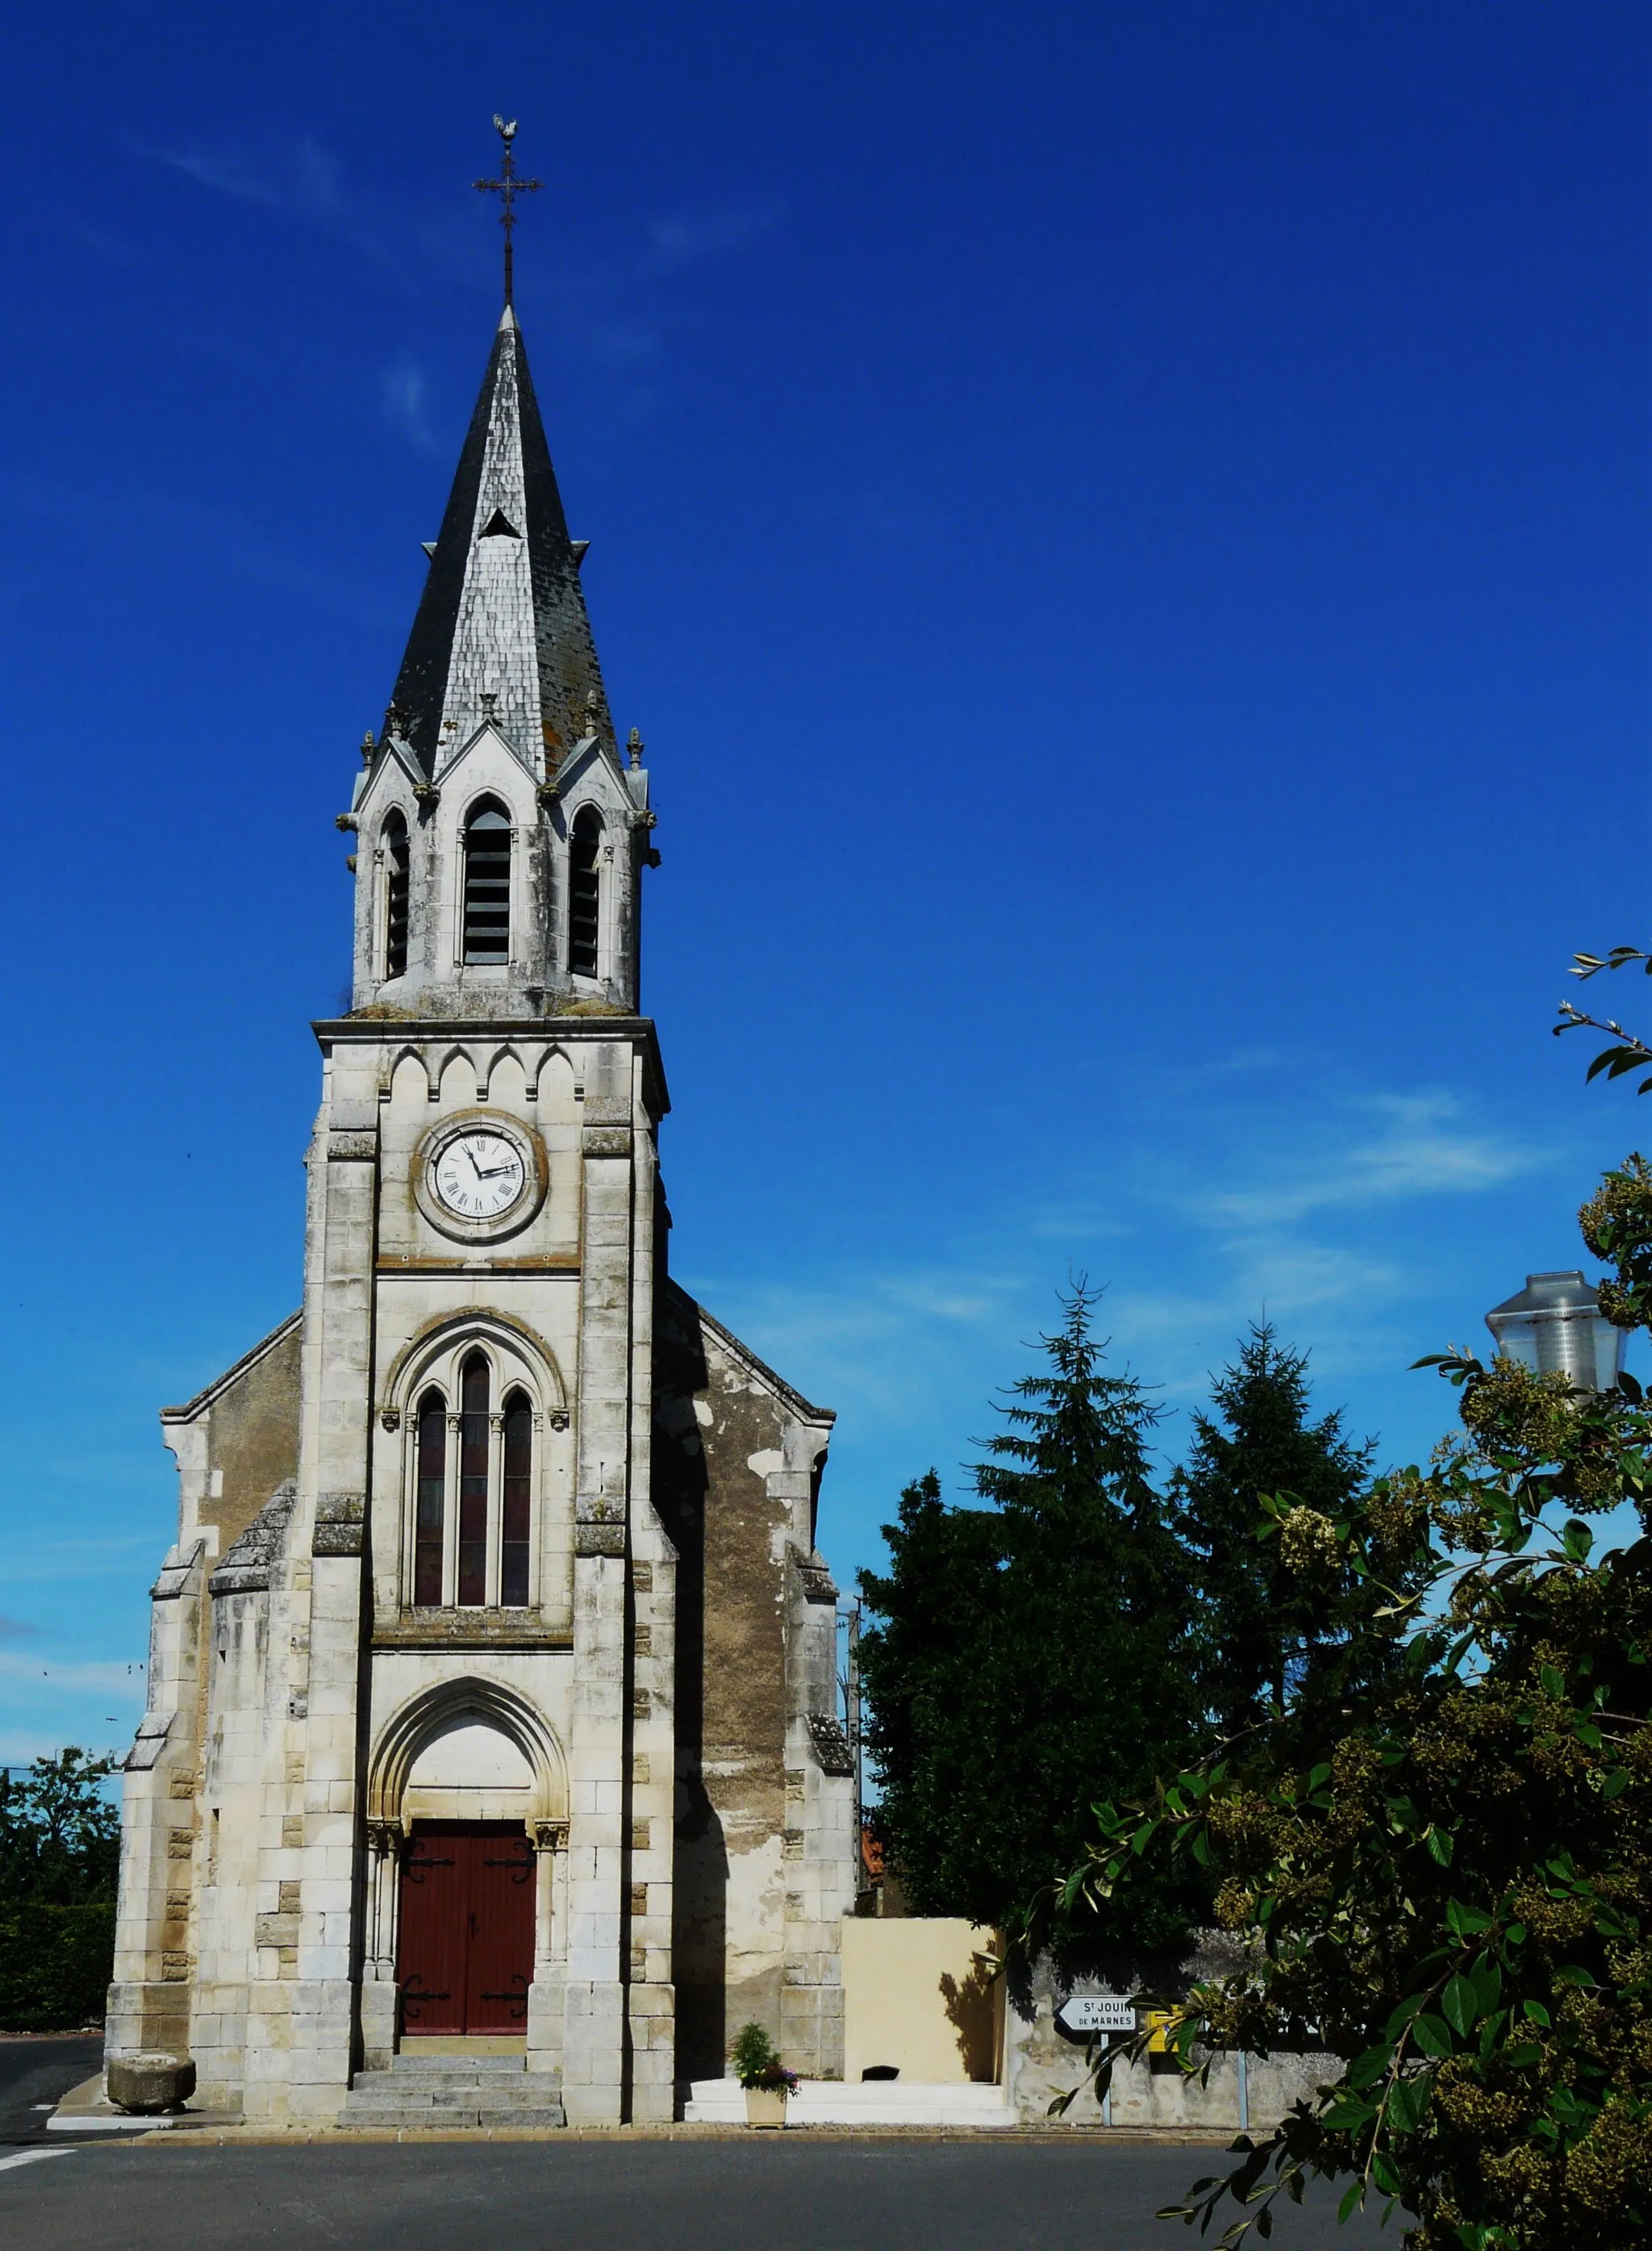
[919, 1998]
[970, 2004]
[700, 1895]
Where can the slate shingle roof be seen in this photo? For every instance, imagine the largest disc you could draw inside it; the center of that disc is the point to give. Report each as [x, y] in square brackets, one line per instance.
[503, 613]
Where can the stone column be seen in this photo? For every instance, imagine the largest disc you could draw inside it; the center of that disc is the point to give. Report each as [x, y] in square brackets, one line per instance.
[650, 1776]
[548, 1996]
[148, 2002]
[378, 1959]
[594, 2035]
[302, 2026]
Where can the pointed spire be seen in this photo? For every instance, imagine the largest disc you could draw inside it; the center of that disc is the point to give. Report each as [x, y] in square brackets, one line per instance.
[502, 616]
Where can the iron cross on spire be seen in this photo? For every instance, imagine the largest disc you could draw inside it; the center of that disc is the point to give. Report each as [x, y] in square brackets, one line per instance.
[507, 187]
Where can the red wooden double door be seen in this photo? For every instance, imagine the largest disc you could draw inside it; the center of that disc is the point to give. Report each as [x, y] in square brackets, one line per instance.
[465, 1952]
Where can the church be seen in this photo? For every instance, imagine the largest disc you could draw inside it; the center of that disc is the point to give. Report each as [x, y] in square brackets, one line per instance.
[492, 1708]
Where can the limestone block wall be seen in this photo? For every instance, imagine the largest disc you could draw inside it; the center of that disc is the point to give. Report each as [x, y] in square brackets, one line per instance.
[179, 1982]
[819, 1841]
[301, 2027]
[149, 2000]
[250, 1652]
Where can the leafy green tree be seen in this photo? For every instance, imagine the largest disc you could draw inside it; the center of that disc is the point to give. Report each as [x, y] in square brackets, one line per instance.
[1446, 1876]
[59, 1834]
[925, 1698]
[1030, 1652]
[1258, 1630]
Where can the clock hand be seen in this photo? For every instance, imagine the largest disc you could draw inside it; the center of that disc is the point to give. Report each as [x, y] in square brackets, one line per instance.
[474, 1166]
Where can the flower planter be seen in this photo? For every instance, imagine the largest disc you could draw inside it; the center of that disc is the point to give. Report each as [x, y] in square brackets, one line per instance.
[765, 2106]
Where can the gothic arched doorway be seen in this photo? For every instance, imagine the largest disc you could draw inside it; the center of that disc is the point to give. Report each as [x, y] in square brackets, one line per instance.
[466, 1929]
[466, 1951]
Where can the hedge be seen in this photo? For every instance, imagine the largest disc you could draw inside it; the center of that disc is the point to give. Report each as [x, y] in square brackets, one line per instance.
[55, 1965]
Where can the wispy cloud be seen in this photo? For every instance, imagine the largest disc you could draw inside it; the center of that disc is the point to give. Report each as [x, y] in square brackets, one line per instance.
[122, 1680]
[17, 1630]
[407, 402]
[612, 311]
[893, 513]
[199, 539]
[55, 1563]
[295, 175]
[297, 179]
[19, 1749]
[1217, 1210]
[882, 1343]
[1422, 1153]
[689, 238]
[115, 249]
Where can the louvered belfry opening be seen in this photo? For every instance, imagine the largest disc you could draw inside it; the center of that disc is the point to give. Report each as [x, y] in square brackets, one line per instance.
[396, 862]
[488, 883]
[585, 893]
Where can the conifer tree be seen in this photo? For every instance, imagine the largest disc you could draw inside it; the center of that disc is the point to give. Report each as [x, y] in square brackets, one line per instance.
[1258, 1636]
[1034, 1655]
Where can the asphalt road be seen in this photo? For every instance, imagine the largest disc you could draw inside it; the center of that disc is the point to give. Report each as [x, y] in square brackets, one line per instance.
[803, 2194]
[35, 2075]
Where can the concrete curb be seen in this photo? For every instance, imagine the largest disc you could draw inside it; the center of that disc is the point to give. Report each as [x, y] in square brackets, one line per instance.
[621, 2136]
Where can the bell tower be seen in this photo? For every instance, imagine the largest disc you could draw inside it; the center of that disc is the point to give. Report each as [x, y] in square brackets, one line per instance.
[500, 834]
[492, 1692]
[482, 1274]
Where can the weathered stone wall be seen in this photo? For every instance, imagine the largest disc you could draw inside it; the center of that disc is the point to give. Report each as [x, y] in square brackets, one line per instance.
[1043, 2060]
[251, 1433]
[181, 1948]
[765, 1867]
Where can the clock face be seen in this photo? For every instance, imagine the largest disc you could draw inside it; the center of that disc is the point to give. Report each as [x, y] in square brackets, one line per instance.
[478, 1174]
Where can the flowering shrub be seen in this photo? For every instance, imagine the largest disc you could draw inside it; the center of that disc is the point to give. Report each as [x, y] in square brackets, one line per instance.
[757, 2064]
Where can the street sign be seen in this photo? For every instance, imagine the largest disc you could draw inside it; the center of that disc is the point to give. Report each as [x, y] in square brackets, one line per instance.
[1097, 2013]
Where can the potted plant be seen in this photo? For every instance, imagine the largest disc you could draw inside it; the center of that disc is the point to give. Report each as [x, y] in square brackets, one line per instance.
[764, 2077]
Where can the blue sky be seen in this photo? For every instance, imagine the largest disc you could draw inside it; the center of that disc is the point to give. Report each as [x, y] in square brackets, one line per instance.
[1124, 529]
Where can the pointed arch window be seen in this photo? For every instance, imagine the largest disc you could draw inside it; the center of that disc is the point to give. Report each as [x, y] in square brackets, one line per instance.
[486, 913]
[430, 1497]
[515, 1515]
[585, 892]
[473, 1483]
[474, 1470]
[398, 864]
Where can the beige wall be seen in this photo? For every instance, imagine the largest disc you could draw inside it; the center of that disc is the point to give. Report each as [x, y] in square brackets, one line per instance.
[918, 1995]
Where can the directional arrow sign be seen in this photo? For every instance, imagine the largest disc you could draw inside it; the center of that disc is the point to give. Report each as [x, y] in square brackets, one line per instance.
[1097, 2013]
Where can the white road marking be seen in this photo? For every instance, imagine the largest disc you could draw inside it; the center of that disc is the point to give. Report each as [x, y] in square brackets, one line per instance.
[30, 2157]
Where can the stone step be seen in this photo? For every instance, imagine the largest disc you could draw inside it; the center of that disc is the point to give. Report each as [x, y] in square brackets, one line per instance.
[436, 2094]
[539, 2089]
[529, 2118]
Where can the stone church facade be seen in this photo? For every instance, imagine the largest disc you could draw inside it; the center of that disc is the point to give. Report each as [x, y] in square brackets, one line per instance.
[492, 1688]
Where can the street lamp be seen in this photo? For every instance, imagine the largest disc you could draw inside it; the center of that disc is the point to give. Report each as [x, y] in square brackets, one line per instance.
[1556, 1323]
